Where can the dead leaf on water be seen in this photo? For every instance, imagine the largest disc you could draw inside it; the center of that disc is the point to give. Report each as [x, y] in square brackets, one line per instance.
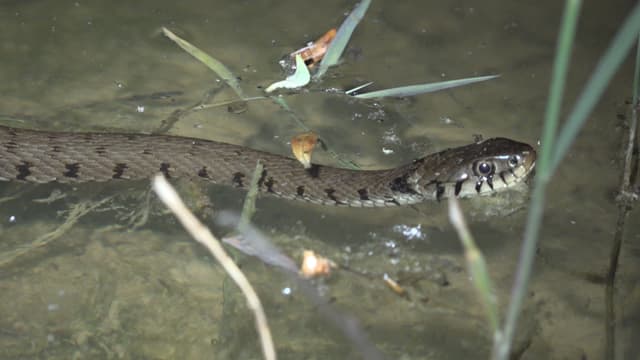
[393, 285]
[314, 265]
[314, 51]
[302, 146]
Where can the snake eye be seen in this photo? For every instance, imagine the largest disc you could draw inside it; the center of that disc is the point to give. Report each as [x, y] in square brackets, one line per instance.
[514, 160]
[484, 168]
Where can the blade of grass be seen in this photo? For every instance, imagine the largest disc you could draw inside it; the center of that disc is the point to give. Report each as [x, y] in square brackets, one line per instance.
[299, 79]
[502, 346]
[477, 267]
[249, 206]
[216, 66]
[636, 74]
[412, 90]
[350, 91]
[608, 65]
[342, 38]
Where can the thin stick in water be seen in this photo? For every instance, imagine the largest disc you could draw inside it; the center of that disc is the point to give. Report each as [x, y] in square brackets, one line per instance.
[201, 233]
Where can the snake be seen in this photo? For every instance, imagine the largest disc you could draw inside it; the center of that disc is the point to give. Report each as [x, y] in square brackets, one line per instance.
[479, 168]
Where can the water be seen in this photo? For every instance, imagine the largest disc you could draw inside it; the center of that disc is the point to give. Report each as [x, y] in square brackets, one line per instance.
[106, 289]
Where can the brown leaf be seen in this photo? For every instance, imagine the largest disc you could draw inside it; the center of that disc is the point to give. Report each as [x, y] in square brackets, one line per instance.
[393, 285]
[315, 265]
[302, 146]
[314, 52]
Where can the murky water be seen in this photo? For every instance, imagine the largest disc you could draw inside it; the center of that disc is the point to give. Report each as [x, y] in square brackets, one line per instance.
[102, 287]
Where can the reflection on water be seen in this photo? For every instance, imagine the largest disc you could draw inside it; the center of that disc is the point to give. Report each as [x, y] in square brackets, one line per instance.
[123, 280]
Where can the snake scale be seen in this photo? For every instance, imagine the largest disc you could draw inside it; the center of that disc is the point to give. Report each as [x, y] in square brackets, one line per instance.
[480, 168]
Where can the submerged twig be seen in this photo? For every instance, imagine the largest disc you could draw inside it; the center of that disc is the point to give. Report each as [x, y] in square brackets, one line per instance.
[77, 212]
[347, 324]
[625, 199]
[201, 233]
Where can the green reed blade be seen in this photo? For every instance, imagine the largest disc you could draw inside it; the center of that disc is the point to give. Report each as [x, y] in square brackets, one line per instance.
[249, 205]
[411, 90]
[502, 345]
[338, 44]
[216, 66]
[476, 266]
[608, 65]
[636, 74]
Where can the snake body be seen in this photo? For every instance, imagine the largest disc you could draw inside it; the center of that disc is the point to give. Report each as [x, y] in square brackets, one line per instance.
[40, 157]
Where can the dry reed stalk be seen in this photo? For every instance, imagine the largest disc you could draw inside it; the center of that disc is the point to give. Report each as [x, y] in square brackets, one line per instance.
[201, 234]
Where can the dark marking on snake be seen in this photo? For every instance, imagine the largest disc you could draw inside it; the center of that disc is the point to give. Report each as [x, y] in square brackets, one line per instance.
[164, 169]
[458, 187]
[72, 170]
[314, 171]
[263, 176]
[24, 170]
[238, 179]
[146, 152]
[203, 172]
[364, 194]
[331, 194]
[490, 182]
[269, 184]
[300, 190]
[502, 177]
[401, 184]
[100, 150]
[478, 186]
[118, 170]
[439, 190]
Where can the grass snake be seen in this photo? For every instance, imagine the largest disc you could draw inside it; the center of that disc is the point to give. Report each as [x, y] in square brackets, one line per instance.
[475, 169]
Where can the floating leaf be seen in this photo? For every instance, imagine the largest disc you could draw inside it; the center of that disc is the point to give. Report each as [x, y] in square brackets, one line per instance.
[393, 285]
[315, 265]
[299, 79]
[315, 51]
[210, 62]
[334, 52]
[412, 90]
[302, 146]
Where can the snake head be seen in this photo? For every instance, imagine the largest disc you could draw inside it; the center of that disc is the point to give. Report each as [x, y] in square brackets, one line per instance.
[477, 169]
